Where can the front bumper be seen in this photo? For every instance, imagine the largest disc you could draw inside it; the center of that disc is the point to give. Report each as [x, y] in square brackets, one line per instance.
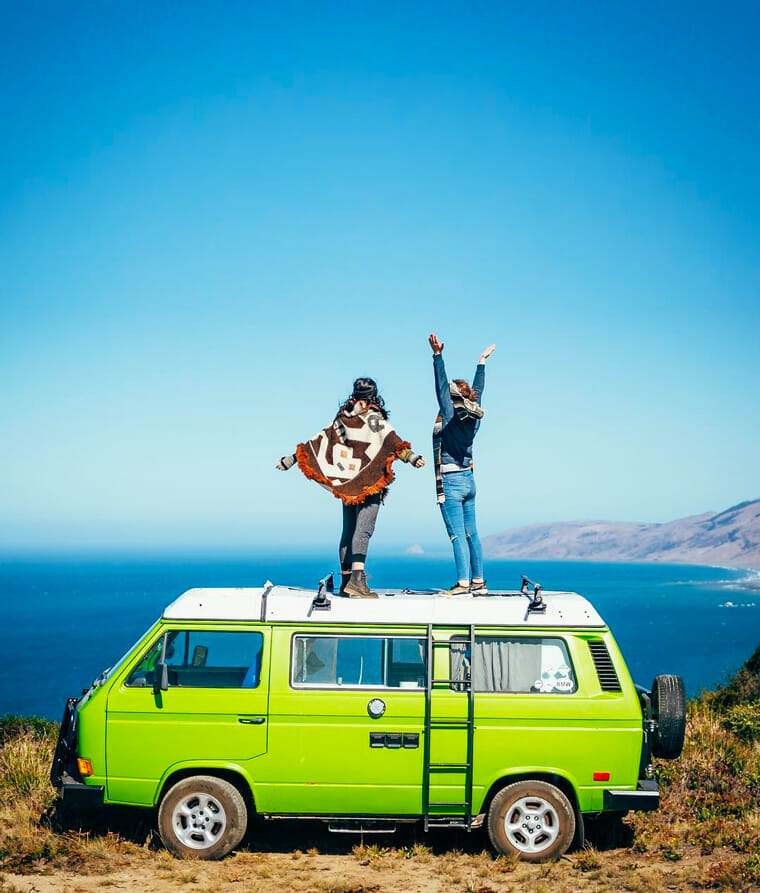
[64, 774]
[645, 797]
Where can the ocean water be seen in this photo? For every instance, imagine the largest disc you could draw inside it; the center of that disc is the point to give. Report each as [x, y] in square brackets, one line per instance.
[67, 619]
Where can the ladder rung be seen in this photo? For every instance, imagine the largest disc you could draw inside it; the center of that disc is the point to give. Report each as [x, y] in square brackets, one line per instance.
[449, 765]
[451, 805]
[449, 722]
[462, 682]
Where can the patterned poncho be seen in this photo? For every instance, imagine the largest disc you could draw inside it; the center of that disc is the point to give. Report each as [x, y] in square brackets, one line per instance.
[352, 457]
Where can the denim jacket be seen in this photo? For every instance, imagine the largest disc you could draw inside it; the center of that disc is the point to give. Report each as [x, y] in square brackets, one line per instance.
[457, 434]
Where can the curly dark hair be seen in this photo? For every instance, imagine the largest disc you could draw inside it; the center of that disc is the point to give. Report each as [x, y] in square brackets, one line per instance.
[465, 390]
[365, 389]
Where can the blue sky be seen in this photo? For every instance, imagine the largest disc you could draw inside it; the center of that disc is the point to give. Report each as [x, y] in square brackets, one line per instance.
[212, 219]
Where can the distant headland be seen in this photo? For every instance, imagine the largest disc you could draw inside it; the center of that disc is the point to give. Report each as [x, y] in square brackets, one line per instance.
[730, 538]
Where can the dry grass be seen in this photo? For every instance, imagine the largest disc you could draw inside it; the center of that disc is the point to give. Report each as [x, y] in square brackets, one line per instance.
[705, 836]
[33, 835]
[710, 803]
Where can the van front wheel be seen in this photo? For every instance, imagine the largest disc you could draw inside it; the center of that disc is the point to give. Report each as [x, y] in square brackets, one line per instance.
[202, 817]
[533, 820]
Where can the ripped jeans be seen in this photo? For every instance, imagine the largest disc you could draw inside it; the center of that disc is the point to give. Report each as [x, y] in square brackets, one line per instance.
[459, 517]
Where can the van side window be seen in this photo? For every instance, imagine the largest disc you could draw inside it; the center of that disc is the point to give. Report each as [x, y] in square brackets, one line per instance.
[204, 659]
[513, 664]
[358, 661]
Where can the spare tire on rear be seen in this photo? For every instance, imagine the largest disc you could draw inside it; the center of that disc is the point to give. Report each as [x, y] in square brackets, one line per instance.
[669, 711]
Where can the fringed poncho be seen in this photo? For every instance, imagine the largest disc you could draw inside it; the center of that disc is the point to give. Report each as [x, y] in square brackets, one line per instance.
[352, 457]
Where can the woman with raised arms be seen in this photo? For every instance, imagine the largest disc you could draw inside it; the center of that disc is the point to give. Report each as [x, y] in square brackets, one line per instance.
[455, 428]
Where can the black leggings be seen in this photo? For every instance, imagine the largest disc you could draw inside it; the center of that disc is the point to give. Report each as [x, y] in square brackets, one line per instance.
[358, 527]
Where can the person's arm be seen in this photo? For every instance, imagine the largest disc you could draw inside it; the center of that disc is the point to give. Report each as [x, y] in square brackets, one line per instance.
[479, 381]
[408, 455]
[441, 381]
[286, 462]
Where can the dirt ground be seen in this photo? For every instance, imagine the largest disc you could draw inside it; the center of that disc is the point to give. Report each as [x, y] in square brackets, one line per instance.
[324, 863]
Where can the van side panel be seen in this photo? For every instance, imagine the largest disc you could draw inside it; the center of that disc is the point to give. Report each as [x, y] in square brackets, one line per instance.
[572, 735]
[321, 760]
[310, 751]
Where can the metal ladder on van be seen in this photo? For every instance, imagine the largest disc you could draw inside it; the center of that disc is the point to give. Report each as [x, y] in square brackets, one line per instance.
[432, 724]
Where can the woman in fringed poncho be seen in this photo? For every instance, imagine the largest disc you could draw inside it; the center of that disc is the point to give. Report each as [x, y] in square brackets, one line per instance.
[352, 458]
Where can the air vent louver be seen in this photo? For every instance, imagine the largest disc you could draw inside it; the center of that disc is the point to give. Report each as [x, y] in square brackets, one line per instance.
[605, 670]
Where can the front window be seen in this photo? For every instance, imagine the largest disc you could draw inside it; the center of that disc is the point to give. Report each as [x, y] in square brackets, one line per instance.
[513, 664]
[203, 659]
[358, 662]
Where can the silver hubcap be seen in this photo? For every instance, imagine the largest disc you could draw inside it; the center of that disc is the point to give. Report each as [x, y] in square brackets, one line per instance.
[199, 821]
[531, 825]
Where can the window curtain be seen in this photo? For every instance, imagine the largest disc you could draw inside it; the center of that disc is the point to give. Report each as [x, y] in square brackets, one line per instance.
[506, 664]
[460, 664]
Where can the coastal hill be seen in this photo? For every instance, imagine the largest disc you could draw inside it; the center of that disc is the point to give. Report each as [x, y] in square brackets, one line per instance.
[730, 538]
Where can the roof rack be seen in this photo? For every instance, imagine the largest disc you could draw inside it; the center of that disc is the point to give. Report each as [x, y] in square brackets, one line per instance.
[537, 604]
[321, 602]
[530, 607]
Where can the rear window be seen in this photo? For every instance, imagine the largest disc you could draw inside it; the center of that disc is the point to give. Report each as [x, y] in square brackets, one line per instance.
[358, 662]
[513, 664]
[204, 659]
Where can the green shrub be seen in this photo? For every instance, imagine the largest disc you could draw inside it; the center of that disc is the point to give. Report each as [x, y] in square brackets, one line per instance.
[743, 688]
[744, 721]
[12, 726]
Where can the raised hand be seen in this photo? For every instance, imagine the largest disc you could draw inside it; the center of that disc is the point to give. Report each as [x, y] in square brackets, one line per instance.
[436, 345]
[419, 462]
[487, 352]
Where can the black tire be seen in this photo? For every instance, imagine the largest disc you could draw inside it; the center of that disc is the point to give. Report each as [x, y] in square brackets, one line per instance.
[202, 817]
[669, 710]
[541, 817]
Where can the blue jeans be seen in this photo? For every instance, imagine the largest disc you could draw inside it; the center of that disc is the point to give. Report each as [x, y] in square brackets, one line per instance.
[459, 517]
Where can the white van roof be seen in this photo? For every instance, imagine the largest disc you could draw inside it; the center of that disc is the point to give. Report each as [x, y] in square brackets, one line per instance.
[288, 604]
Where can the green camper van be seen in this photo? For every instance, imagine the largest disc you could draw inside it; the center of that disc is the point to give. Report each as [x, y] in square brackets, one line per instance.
[513, 710]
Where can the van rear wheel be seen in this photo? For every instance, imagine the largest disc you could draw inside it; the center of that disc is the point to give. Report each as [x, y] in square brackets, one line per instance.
[533, 820]
[202, 817]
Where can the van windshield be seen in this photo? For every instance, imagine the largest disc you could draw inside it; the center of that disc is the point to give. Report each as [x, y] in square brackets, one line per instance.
[109, 671]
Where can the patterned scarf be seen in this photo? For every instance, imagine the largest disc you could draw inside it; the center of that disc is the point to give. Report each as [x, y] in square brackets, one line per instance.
[352, 457]
[464, 408]
[440, 496]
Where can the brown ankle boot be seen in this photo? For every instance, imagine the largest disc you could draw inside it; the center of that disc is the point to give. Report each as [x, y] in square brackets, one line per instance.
[366, 586]
[357, 586]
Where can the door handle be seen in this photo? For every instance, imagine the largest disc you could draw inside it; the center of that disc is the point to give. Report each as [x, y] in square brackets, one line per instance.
[252, 720]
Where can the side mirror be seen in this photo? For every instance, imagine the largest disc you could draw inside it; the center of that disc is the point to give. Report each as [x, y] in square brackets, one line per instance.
[160, 678]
